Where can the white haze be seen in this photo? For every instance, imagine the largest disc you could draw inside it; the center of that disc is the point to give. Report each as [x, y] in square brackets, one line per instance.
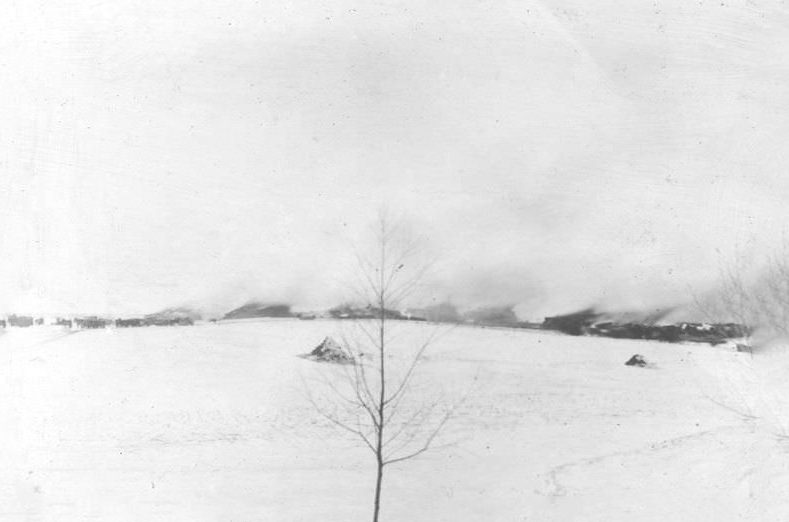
[556, 155]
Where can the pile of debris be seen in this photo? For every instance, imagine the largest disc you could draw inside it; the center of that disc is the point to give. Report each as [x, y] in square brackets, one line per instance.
[330, 350]
[638, 360]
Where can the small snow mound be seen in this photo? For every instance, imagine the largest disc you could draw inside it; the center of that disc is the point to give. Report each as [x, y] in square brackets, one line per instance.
[637, 360]
[330, 350]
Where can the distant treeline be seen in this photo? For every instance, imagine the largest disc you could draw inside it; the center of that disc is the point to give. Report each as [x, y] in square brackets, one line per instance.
[590, 322]
[584, 322]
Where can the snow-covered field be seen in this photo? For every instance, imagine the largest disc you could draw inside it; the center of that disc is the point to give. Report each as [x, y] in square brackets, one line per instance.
[211, 423]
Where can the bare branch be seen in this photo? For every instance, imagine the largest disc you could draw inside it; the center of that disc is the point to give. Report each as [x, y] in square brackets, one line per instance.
[358, 386]
[334, 418]
[426, 445]
[409, 373]
[344, 426]
[416, 419]
[359, 379]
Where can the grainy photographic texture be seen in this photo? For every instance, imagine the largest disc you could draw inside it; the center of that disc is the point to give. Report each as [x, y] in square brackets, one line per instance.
[394, 261]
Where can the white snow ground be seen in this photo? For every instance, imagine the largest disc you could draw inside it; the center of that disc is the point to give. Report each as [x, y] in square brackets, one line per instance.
[210, 423]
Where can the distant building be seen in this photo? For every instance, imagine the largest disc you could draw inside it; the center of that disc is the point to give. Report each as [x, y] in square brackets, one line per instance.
[92, 322]
[572, 324]
[20, 320]
[438, 313]
[493, 316]
[349, 311]
[129, 323]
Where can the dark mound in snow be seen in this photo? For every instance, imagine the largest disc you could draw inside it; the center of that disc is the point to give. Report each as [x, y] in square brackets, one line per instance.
[329, 351]
[637, 360]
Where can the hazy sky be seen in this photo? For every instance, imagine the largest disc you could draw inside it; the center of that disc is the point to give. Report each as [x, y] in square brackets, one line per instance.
[556, 154]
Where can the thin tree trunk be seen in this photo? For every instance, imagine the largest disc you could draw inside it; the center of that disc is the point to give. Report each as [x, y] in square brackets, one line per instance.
[379, 447]
[379, 479]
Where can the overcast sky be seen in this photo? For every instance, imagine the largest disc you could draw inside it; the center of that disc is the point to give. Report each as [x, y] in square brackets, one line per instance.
[555, 154]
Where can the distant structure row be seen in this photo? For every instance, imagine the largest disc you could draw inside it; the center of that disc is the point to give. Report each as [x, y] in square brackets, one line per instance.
[92, 322]
[583, 322]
